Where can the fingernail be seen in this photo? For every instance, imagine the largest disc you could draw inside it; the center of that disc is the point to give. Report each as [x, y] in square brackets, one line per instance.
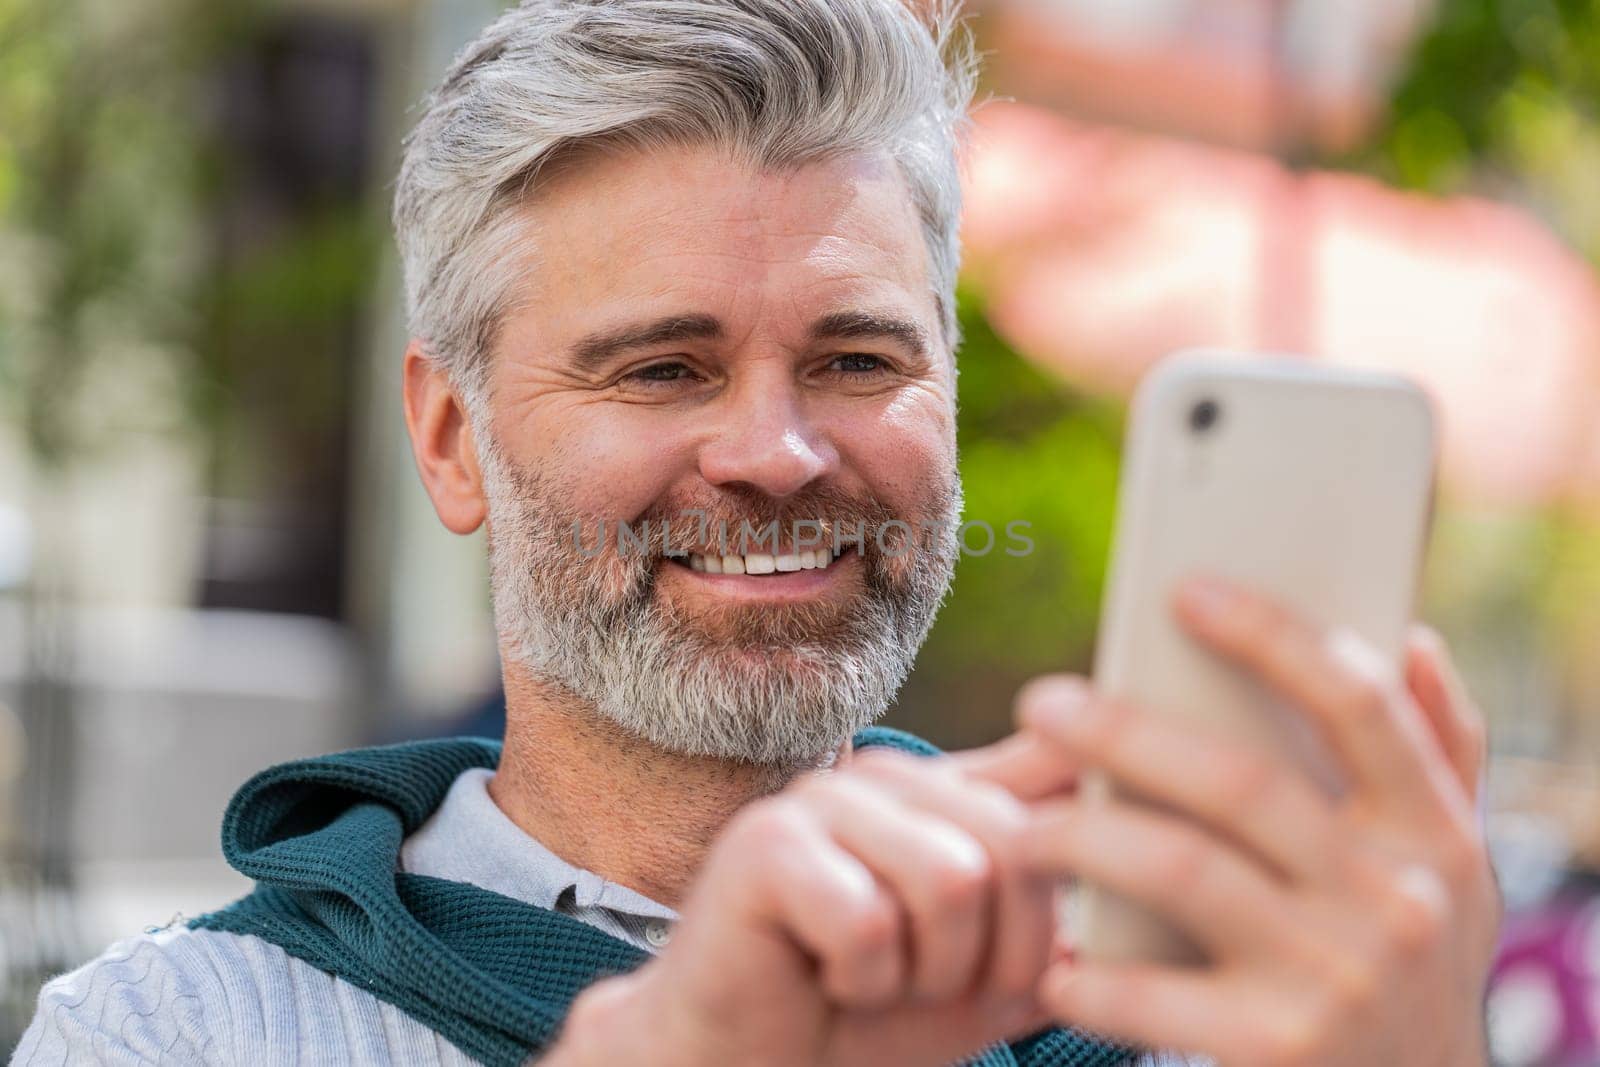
[1427, 637]
[1051, 691]
[1056, 706]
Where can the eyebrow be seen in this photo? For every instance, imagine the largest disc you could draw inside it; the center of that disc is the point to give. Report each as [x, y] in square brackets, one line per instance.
[595, 350]
[869, 325]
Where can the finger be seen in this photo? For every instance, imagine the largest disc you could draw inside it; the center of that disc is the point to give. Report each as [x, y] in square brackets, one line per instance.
[1440, 693]
[1159, 1008]
[939, 875]
[1019, 763]
[1353, 697]
[779, 880]
[1242, 793]
[1022, 923]
[1226, 904]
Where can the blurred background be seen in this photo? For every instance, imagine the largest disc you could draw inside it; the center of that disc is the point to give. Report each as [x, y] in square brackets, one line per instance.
[214, 554]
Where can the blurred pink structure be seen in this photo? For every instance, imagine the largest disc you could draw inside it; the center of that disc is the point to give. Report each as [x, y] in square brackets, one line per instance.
[1101, 250]
[1270, 74]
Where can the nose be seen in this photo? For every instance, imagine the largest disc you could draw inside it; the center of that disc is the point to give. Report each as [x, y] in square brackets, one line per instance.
[763, 439]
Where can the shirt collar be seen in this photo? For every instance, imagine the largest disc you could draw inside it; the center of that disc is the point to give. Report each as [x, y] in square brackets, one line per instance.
[469, 839]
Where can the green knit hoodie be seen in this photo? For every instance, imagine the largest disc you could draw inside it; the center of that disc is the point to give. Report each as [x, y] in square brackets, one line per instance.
[321, 838]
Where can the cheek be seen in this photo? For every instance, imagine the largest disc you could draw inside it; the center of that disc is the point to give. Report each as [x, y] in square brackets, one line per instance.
[615, 464]
[905, 450]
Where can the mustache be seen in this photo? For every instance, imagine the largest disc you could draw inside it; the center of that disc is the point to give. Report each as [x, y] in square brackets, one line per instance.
[688, 522]
[682, 523]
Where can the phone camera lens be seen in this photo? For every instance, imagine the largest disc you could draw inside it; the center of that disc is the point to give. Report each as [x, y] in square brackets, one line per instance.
[1204, 415]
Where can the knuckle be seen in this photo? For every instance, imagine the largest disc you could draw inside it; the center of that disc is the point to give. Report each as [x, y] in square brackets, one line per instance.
[1004, 814]
[827, 798]
[1364, 701]
[870, 929]
[1415, 915]
[865, 964]
[805, 787]
[958, 883]
[1245, 783]
[611, 1006]
[996, 798]
[1353, 989]
[594, 1009]
[778, 824]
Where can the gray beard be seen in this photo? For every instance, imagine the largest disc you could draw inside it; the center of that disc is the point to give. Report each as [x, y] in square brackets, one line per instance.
[785, 689]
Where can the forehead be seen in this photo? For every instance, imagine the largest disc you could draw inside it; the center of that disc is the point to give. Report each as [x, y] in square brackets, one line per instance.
[689, 229]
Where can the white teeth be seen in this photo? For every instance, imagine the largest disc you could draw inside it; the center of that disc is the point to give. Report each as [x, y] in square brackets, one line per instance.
[761, 563]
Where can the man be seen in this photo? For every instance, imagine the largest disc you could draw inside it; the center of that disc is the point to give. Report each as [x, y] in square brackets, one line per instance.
[688, 266]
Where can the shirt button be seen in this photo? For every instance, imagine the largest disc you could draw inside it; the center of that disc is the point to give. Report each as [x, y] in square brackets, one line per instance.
[657, 932]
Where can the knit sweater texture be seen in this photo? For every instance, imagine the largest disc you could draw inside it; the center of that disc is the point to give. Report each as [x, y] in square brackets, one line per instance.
[489, 976]
[494, 975]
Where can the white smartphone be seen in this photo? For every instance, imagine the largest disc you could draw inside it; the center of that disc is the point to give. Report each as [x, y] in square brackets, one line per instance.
[1305, 483]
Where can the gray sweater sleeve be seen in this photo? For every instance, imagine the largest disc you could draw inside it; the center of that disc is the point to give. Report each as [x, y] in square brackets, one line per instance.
[202, 997]
[132, 1005]
[191, 998]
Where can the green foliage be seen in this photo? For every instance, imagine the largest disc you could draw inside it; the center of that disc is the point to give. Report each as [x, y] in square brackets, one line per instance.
[270, 384]
[99, 232]
[129, 298]
[1033, 451]
[1503, 95]
[1502, 98]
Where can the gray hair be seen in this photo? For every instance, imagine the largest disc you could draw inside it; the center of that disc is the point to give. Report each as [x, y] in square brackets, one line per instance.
[778, 83]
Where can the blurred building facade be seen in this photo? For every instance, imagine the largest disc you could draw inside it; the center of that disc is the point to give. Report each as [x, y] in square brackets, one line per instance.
[220, 581]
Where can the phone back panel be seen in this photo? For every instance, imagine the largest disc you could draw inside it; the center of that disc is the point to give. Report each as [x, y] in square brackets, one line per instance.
[1312, 486]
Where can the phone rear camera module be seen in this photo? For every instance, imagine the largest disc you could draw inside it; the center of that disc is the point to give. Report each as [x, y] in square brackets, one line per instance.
[1204, 416]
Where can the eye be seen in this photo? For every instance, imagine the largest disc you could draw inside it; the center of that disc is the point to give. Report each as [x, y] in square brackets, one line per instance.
[858, 364]
[664, 373]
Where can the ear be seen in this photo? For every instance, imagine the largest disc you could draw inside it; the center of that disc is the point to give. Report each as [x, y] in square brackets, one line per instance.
[442, 443]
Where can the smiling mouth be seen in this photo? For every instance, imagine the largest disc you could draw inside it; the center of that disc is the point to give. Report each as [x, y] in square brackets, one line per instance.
[759, 563]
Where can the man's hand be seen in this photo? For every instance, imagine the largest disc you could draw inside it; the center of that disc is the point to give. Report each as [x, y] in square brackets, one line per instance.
[1351, 931]
[876, 914]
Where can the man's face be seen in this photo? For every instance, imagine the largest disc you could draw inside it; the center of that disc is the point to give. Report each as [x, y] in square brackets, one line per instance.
[715, 347]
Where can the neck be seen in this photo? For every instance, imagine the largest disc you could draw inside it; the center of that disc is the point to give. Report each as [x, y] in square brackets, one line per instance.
[610, 803]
